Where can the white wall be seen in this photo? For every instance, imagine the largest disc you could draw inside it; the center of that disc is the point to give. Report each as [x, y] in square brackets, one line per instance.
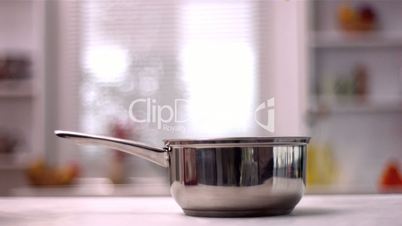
[284, 64]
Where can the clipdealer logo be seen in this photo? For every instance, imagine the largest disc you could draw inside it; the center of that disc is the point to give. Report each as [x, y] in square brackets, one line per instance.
[168, 117]
[267, 107]
[161, 115]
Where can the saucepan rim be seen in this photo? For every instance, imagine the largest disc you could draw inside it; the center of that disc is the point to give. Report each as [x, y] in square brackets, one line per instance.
[239, 141]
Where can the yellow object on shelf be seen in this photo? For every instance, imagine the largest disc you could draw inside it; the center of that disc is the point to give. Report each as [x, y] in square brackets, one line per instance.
[321, 166]
[347, 17]
[362, 18]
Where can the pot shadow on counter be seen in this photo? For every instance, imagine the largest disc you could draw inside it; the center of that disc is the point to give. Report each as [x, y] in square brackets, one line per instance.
[299, 212]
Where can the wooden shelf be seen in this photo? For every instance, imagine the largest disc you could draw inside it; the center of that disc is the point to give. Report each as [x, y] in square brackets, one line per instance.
[340, 189]
[12, 167]
[16, 89]
[9, 162]
[98, 187]
[358, 40]
[16, 94]
[354, 106]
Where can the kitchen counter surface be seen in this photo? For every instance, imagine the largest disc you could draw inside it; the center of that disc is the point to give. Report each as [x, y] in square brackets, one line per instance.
[312, 210]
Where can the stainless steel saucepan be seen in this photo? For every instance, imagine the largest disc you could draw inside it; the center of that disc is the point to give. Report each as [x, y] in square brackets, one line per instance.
[229, 177]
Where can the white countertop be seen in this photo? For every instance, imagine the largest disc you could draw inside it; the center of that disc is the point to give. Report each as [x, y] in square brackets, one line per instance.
[312, 210]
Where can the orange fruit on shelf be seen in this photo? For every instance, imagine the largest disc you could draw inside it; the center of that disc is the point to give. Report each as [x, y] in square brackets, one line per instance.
[391, 179]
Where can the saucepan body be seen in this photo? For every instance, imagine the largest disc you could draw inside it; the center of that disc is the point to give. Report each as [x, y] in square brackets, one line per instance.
[230, 177]
[237, 177]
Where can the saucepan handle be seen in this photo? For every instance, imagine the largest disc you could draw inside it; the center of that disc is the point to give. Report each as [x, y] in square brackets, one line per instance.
[158, 156]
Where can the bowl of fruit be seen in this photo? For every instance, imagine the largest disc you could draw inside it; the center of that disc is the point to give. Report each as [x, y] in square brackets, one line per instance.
[41, 173]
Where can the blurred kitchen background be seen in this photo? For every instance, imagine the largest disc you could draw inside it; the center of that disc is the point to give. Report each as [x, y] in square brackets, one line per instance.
[334, 68]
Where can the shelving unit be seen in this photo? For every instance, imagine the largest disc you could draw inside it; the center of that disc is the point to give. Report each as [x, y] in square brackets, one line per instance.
[22, 100]
[369, 40]
[363, 133]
